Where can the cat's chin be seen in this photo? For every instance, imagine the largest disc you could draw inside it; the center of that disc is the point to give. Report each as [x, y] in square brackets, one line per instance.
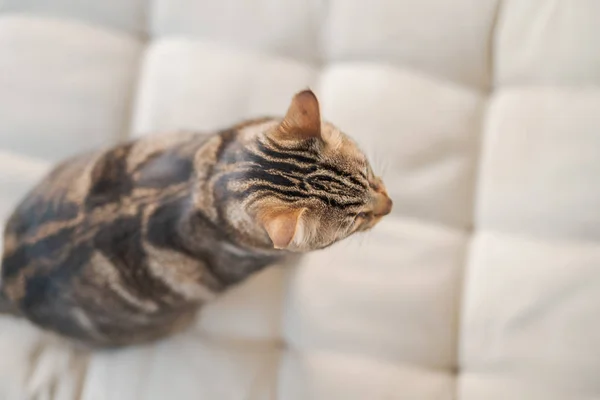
[324, 246]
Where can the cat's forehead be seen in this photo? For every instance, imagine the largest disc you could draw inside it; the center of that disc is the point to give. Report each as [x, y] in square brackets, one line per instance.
[338, 143]
[339, 146]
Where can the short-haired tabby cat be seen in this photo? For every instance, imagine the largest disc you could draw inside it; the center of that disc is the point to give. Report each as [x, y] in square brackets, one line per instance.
[122, 246]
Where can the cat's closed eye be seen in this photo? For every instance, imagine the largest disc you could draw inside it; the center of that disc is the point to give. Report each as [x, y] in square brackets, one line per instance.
[365, 215]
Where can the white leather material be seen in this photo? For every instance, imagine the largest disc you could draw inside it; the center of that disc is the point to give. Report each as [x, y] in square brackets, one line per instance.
[323, 376]
[447, 39]
[290, 28]
[188, 84]
[484, 119]
[66, 86]
[405, 310]
[539, 164]
[527, 320]
[19, 174]
[548, 42]
[129, 16]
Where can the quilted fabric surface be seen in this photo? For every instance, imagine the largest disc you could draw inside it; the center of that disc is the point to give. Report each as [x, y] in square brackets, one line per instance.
[484, 117]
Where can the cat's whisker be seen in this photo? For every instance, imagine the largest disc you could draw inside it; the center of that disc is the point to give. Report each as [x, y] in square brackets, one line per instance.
[380, 163]
[384, 167]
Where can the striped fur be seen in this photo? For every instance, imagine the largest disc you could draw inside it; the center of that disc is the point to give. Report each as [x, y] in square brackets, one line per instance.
[122, 246]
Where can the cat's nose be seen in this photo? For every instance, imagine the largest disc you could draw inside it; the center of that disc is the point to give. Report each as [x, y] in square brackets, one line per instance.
[387, 205]
[383, 206]
[383, 203]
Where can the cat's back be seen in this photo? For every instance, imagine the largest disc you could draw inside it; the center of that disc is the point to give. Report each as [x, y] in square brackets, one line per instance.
[86, 181]
[81, 192]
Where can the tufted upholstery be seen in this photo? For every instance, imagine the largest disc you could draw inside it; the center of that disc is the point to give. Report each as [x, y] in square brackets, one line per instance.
[485, 117]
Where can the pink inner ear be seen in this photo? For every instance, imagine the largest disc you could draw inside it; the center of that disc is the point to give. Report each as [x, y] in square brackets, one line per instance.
[303, 118]
[282, 226]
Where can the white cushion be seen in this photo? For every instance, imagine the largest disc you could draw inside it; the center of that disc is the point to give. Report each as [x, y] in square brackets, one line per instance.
[190, 366]
[446, 39]
[290, 28]
[66, 86]
[548, 42]
[527, 320]
[399, 306]
[19, 175]
[540, 164]
[197, 85]
[325, 376]
[484, 119]
[129, 16]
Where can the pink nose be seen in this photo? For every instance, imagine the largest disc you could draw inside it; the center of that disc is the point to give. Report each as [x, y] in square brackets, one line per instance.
[387, 207]
[384, 205]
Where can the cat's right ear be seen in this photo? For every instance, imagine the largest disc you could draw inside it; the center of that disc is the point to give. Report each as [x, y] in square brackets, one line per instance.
[283, 226]
[303, 118]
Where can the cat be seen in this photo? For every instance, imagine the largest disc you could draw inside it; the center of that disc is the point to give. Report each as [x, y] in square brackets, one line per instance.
[122, 246]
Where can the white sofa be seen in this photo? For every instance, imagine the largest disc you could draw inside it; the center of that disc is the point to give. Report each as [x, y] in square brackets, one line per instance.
[484, 284]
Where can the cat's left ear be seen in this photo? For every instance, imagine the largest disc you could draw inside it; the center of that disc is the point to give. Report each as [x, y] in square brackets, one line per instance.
[303, 118]
[283, 226]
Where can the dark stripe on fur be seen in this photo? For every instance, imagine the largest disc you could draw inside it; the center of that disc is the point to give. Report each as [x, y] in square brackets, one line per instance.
[284, 153]
[166, 169]
[164, 231]
[289, 162]
[45, 248]
[287, 156]
[120, 242]
[110, 179]
[295, 195]
[305, 147]
[39, 212]
[224, 155]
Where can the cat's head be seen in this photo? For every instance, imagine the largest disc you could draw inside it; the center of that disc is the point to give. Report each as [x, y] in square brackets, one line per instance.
[308, 185]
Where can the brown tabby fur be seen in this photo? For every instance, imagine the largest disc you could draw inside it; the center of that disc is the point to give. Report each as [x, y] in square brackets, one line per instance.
[122, 246]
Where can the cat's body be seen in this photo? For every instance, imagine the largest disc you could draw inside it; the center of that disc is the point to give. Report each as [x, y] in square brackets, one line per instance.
[109, 247]
[122, 246]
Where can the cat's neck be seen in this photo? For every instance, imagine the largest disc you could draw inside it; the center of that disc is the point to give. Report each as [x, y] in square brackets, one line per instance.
[210, 196]
[228, 257]
[209, 228]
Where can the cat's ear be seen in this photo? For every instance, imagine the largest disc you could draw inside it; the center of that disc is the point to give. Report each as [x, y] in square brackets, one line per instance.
[303, 118]
[283, 226]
